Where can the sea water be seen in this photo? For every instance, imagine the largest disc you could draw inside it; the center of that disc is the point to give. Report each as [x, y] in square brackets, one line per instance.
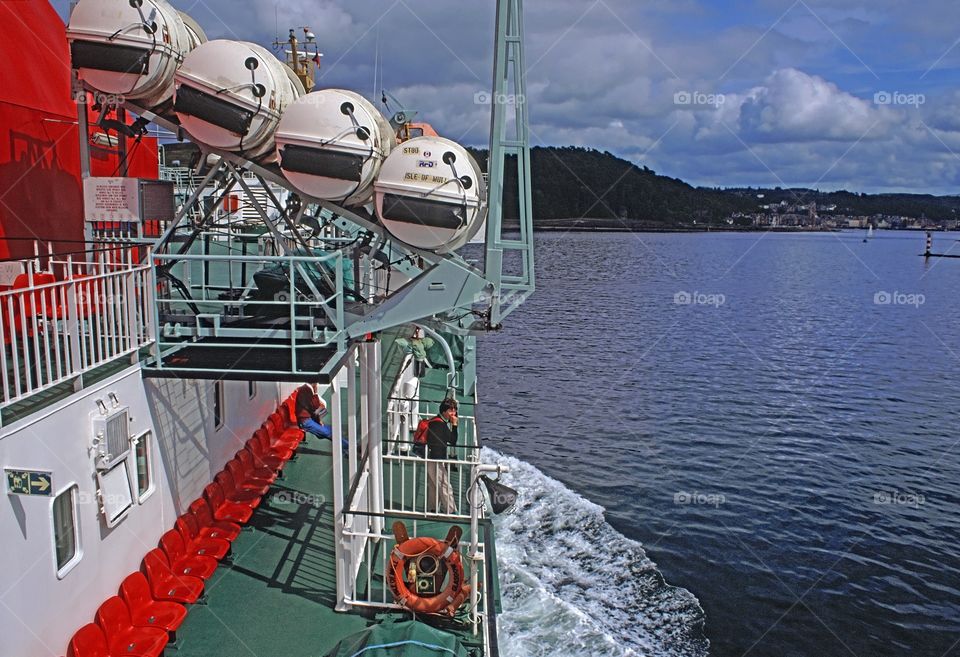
[730, 444]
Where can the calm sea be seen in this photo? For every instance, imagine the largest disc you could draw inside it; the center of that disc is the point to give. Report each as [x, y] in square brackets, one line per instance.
[734, 444]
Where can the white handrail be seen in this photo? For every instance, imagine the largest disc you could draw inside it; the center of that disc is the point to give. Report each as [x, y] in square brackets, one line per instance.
[54, 330]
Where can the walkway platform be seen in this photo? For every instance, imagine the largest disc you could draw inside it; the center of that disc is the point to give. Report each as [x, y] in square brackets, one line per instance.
[277, 597]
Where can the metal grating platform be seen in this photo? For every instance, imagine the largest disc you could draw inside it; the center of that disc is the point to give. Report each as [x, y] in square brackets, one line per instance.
[268, 360]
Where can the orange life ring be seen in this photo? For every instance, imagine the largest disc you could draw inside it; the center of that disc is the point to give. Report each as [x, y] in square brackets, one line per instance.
[445, 554]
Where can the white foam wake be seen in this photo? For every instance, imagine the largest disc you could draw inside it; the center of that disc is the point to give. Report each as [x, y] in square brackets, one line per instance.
[573, 586]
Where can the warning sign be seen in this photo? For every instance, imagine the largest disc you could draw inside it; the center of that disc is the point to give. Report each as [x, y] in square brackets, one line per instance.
[111, 199]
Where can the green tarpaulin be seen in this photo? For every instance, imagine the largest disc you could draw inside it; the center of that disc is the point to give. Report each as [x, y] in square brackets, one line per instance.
[406, 639]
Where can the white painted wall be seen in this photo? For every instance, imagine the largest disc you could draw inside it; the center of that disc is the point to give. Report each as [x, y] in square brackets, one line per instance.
[39, 612]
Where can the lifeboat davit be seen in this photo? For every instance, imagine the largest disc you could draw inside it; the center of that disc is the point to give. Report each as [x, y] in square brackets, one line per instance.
[231, 94]
[331, 145]
[430, 194]
[131, 50]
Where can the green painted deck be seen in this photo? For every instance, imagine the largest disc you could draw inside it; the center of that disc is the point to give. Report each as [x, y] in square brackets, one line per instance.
[276, 596]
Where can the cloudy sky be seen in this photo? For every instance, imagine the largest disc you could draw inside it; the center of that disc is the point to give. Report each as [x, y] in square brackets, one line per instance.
[817, 93]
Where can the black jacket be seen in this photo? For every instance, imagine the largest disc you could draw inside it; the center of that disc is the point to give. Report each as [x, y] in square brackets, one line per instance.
[439, 438]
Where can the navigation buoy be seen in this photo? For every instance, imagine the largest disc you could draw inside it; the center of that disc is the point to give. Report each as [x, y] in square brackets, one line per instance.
[331, 144]
[131, 49]
[431, 194]
[230, 95]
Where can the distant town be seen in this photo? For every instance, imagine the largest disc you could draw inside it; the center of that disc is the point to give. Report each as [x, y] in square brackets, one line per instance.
[830, 217]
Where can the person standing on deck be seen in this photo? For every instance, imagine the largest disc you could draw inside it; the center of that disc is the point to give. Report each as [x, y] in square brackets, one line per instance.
[440, 437]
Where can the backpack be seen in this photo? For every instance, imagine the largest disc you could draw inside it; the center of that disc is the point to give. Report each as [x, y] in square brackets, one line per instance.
[420, 435]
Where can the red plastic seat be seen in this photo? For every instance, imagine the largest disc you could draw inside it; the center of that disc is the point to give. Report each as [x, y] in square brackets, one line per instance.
[39, 302]
[233, 494]
[189, 528]
[245, 481]
[265, 458]
[165, 585]
[280, 433]
[123, 638]
[88, 641]
[183, 562]
[147, 612]
[223, 509]
[290, 410]
[209, 527]
[262, 473]
[282, 451]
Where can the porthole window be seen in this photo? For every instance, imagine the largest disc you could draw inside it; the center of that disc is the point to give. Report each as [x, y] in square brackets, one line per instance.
[144, 464]
[65, 534]
[218, 405]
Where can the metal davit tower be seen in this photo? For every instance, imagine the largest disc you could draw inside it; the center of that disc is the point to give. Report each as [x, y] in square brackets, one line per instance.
[258, 277]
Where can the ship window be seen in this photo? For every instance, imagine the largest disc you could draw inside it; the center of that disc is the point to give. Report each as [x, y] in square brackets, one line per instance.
[218, 405]
[65, 530]
[144, 466]
[251, 389]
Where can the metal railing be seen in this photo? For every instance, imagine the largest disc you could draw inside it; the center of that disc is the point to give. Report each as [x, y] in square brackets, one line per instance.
[80, 314]
[216, 298]
[430, 488]
[370, 579]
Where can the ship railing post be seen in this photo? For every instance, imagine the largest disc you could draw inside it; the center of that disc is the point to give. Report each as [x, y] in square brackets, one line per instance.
[475, 506]
[352, 414]
[73, 325]
[374, 419]
[336, 427]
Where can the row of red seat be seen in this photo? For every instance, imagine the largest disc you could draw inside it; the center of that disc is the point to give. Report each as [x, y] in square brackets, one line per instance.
[144, 617]
[44, 304]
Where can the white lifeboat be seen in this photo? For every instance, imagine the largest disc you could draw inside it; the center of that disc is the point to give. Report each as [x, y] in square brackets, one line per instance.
[431, 194]
[230, 95]
[130, 49]
[331, 144]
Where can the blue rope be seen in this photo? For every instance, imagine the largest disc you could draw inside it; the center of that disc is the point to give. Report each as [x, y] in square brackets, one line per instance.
[403, 643]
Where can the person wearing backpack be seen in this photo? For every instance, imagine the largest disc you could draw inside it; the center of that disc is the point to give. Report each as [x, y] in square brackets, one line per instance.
[441, 434]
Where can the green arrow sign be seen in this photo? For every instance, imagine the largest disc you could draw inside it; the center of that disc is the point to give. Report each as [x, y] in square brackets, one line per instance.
[29, 482]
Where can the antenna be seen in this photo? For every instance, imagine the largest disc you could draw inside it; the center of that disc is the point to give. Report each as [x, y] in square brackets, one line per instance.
[376, 62]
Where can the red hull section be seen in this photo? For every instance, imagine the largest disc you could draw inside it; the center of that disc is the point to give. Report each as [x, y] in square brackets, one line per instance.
[40, 186]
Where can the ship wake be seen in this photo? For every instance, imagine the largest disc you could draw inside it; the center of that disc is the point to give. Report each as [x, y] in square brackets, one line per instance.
[573, 586]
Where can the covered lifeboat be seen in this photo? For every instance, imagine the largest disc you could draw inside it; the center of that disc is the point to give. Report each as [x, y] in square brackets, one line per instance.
[431, 194]
[231, 94]
[331, 145]
[131, 49]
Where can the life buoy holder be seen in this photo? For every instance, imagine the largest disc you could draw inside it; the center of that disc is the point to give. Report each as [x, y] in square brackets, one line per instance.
[431, 558]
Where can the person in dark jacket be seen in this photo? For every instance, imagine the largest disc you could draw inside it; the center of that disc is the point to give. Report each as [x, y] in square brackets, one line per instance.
[440, 437]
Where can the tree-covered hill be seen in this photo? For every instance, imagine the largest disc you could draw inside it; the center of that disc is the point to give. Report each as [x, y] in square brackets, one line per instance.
[573, 183]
